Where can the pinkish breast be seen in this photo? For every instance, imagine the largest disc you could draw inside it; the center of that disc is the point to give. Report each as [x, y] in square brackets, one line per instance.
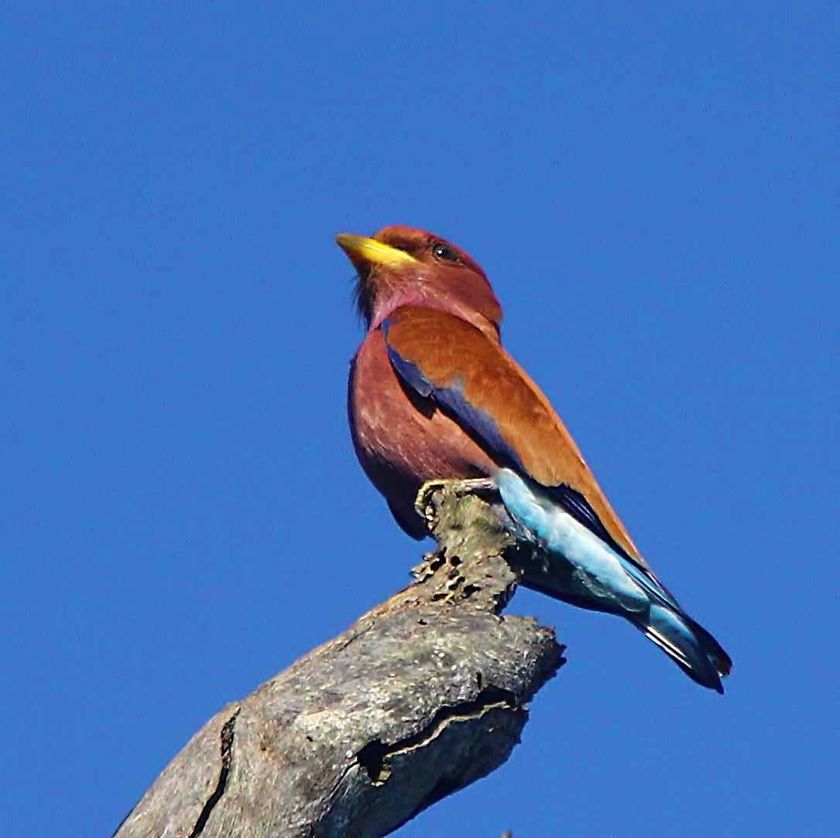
[401, 439]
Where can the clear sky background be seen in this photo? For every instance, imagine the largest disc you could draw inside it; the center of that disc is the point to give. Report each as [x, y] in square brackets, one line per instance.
[653, 190]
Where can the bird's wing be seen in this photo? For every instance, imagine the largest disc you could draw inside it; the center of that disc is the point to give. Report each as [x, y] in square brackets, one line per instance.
[473, 379]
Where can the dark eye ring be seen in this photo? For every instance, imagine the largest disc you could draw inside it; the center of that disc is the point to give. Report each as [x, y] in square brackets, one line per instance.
[441, 251]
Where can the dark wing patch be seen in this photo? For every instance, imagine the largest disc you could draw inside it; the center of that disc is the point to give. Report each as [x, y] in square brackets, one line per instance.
[408, 371]
[578, 507]
[478, 423]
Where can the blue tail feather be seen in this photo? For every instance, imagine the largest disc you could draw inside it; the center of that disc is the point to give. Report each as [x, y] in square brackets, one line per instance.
[674, 633]
[587, 571]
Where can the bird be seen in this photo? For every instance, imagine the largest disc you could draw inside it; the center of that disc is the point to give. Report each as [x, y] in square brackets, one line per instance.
[434, 396]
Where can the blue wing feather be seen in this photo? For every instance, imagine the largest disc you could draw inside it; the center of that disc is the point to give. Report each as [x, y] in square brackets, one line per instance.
[478, 423]
[408, 371]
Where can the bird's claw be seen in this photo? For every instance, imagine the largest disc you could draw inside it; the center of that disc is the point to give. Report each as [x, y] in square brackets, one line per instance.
[459, 488]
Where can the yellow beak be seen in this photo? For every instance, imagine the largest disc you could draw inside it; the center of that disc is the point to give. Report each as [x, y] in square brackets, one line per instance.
[372, 252]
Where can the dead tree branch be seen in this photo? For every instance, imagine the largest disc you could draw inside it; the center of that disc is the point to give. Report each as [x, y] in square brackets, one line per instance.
[424, 695]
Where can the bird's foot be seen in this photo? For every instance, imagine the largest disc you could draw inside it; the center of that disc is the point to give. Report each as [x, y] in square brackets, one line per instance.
[473, 486]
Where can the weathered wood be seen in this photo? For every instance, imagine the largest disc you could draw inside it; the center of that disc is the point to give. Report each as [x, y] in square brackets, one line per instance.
[425, 694]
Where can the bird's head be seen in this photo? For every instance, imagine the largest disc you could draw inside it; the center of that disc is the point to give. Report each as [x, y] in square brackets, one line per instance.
[403, 266]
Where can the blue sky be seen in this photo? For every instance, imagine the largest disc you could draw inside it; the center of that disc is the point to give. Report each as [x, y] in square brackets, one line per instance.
[653, 192]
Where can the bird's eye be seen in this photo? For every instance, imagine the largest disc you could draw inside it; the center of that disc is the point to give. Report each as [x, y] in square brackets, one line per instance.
[444, 252]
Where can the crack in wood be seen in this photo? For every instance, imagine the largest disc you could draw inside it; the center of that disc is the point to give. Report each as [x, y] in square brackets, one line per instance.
[376, 757]
[226, 749]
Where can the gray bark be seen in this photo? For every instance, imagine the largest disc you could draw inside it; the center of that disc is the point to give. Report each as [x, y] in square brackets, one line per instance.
[425, 694]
